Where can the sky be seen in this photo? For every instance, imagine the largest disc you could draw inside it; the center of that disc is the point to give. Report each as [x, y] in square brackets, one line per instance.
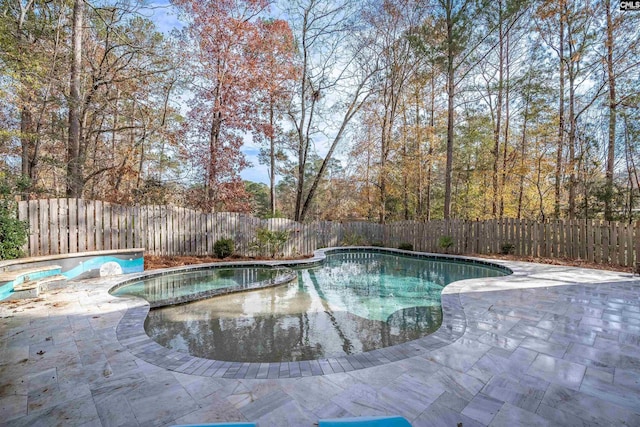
[163, 14]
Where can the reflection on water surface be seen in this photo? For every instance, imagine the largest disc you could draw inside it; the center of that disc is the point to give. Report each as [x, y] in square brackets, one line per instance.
[354, 302]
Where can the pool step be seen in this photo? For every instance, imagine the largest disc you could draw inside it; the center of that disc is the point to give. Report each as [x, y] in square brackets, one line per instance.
[32, 288]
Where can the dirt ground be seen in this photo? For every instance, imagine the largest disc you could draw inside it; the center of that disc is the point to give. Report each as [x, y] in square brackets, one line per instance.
[152, 262]
[559, 261]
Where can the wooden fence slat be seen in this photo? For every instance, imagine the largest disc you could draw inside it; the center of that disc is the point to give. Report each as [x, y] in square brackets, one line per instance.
[43, 211]
[106, 226]
[95, 225]
[129, 233]
[121, 230]
[72, 225]
[54, 227]
[637, 245]
[605, 242]
[148, 220]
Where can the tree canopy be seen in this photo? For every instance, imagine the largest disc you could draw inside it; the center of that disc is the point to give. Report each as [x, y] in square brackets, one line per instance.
[379, 110]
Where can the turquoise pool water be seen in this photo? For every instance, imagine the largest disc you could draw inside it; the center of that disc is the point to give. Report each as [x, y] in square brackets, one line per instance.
[353, 302]
[178, 287]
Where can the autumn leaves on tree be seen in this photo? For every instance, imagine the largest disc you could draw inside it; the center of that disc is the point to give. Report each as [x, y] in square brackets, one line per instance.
[381, 110]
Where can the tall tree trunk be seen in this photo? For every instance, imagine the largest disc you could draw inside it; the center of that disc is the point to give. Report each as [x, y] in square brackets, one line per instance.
[523, 150]
[382, 179]
[560, 147]
[406, 166]
[611, 142]
[496, 132]
[450, 98]
[272, 163]
[26, 134]
[571, 70]
[26, 117]
[418, 142]
[632, 169]
[505, 151]
[214, 146]
[432, 134]
[74, 163]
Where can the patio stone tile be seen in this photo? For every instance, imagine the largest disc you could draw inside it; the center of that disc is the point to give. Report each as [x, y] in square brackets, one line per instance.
[379, 377]
[603, 358]
[625, 338]
[515, 364]
[114, 410]
[546, 347]
[81, 411]
[524, 329]
[510, 415]
[609, 335]
[451, 401]
[613, 393]
[199, 388]
[628, 379]
[586, 337]
[313, 392]
[610, 345]
[408, 396]
[212, 411]
[558, 417]
[557, 371]
[160, 403]
[462, 385]
[581, 310]
[599, 375]
[265, 404]
[520, 394]
[441, 416]
[610, 325]
[500, 352]
[13, 354]
[288, 414]
[53, 394]
[331, 410]
[460, 356]
[500, 341]
[13, 406]
[589, 408]
[361, 399]
[496, 327]
[482, 408]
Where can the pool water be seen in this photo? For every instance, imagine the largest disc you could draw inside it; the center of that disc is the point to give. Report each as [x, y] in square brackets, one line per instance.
[353, 302]
[172, 288]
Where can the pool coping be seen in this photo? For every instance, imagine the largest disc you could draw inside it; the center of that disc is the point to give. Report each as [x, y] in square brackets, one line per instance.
[288, 276]
[131, 334]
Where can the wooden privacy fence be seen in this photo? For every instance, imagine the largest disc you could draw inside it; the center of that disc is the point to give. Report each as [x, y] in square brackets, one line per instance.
[59, 226]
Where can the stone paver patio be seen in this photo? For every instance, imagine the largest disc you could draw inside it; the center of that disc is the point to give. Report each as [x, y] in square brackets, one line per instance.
[548, 345]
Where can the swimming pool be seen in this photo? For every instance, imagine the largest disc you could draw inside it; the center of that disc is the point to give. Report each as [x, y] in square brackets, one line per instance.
[355, 301]
[201, 283]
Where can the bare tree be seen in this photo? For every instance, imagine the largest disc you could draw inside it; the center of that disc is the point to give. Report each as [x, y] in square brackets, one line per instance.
[336, 66]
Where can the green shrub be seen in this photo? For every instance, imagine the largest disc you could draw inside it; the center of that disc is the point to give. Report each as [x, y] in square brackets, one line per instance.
[445, 242]
[405, 246]
[223, 248]
[13, 232]
[269, 242]
[507, 248]
[352, 239]
[377, 244]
